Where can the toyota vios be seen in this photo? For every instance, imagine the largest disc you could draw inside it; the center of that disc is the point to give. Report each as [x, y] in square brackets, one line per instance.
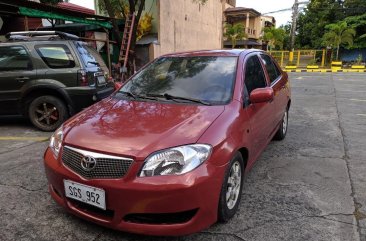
[166, 153]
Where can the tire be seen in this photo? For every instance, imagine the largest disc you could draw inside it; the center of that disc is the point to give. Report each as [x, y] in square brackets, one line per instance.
[282, 130]
[230, 200]
[47, 112]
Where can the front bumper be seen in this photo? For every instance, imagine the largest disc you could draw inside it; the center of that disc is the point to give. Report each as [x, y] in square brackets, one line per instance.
[168, 205]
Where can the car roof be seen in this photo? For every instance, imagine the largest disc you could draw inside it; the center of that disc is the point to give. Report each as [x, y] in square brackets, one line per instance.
[214, 52]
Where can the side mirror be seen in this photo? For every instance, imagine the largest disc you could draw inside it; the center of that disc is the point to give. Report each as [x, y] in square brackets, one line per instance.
[261, 95]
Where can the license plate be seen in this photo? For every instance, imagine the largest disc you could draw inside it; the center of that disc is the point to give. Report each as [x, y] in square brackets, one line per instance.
[101, 79]
[83, 193]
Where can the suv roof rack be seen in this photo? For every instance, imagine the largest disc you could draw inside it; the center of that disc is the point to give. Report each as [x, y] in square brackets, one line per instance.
[28, 35]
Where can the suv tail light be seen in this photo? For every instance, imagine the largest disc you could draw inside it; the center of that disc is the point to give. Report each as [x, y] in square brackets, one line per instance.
[83, 78]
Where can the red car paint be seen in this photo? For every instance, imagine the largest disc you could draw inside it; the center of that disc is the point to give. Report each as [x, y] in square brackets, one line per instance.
[135, 129]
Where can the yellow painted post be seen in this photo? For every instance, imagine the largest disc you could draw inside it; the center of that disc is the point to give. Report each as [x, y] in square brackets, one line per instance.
[298, 58]
[291, 57]
[282, 53]
[323, 58]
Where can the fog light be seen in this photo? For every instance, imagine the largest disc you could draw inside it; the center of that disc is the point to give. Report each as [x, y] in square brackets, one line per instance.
[94, 98]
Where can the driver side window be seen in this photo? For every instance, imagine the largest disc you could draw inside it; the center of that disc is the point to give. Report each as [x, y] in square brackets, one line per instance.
[254, 75]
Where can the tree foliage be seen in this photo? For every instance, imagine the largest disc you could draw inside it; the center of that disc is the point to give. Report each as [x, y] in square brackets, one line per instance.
[338, 34]
[235, 32]
[320, 13]
[312, 22]
[274, 37]
[359, 24]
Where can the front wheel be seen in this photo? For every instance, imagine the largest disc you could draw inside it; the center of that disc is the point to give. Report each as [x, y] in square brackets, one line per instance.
[231, 190]
[282, 130]
[47, 112]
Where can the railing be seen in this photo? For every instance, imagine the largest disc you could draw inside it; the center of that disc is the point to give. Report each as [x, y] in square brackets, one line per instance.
[300, 58]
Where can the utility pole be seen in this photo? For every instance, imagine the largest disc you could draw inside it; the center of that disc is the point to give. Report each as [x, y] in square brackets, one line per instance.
[295, 13]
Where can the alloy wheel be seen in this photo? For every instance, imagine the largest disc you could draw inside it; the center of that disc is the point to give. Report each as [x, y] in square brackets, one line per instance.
[47, 113]
[233, 185]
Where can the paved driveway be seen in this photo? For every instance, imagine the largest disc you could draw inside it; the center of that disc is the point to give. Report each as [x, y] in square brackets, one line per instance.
[311, 186]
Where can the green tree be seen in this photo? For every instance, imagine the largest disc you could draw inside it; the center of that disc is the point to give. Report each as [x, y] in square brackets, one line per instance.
[354, 7]
[312, 22]
[287, 38]
[359, 24]
[120, 9]
[274, 37]
[338, 34]
[234, 32]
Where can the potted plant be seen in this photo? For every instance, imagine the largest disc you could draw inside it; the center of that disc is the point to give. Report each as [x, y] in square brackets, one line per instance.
[291, 65]
[358, 64]
[312, 64]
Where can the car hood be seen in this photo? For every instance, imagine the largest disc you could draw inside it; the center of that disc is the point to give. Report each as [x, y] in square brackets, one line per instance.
[137, 128]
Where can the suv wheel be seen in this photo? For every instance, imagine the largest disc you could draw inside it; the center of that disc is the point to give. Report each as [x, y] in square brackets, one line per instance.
[231, 189]
[47, 112]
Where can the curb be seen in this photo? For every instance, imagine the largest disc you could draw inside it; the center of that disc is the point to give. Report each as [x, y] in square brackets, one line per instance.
[325, 70]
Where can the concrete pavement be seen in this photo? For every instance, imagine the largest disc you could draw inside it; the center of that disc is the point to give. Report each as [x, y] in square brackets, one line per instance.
[311, 186]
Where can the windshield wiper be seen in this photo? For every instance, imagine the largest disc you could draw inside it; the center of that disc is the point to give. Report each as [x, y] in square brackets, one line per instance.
[172, 97]
[134, 96]
[129, 94]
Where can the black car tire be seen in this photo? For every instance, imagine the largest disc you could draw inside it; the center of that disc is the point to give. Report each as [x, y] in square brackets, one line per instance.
[227, 209]
[282, 129]
[47, 112]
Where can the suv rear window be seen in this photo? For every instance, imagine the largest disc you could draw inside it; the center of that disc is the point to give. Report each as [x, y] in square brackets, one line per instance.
[90, 56]
[14, 58]
[56, 56]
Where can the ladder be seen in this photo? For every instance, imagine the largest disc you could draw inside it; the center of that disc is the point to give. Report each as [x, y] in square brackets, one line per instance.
[126, 42]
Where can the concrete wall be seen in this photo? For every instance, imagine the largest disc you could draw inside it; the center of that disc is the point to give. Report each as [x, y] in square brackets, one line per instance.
[185, 25]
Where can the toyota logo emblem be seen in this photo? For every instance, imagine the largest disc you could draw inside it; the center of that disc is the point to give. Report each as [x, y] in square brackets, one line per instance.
[88, 163]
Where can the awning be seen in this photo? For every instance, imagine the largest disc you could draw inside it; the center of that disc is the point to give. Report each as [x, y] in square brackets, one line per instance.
[42, 14]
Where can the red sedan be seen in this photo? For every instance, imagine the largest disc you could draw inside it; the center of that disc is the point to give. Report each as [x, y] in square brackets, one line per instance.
[166, 153]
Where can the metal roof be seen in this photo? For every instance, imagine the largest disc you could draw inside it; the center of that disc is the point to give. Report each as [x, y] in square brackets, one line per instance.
[11, 7]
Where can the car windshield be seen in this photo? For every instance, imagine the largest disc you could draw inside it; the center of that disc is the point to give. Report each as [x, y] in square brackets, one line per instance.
[203, 79]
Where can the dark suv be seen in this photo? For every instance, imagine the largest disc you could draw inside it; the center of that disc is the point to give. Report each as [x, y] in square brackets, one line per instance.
[48, 76]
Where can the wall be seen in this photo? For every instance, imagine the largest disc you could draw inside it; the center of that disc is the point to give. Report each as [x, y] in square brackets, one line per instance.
[185, 25]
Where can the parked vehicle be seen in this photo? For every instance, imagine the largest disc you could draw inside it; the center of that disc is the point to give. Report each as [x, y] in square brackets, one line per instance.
[166, 153]
[48, 76]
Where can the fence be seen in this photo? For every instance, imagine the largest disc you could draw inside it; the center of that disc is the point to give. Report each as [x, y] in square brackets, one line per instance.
[300, 58]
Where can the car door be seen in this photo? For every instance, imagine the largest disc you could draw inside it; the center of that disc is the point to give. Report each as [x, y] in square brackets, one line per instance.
[278, 82]
[261, 115]
[16, 69]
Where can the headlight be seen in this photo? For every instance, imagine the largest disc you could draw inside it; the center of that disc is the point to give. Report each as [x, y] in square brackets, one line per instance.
[56, 141]
[175, 161]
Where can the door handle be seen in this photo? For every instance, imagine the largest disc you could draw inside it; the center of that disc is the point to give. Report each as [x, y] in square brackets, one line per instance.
[22, 79]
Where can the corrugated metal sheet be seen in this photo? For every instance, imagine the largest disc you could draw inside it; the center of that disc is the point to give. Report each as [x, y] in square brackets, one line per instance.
[75, 8]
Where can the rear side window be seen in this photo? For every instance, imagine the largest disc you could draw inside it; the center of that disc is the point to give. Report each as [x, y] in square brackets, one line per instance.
[56, 56]
[254, 74]
[14, 58]
[272, 70]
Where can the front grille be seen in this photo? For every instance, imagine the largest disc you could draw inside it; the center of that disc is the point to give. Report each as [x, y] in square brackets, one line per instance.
[107, 167]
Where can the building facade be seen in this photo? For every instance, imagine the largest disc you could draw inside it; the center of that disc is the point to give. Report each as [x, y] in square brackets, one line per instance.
[253, 22]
